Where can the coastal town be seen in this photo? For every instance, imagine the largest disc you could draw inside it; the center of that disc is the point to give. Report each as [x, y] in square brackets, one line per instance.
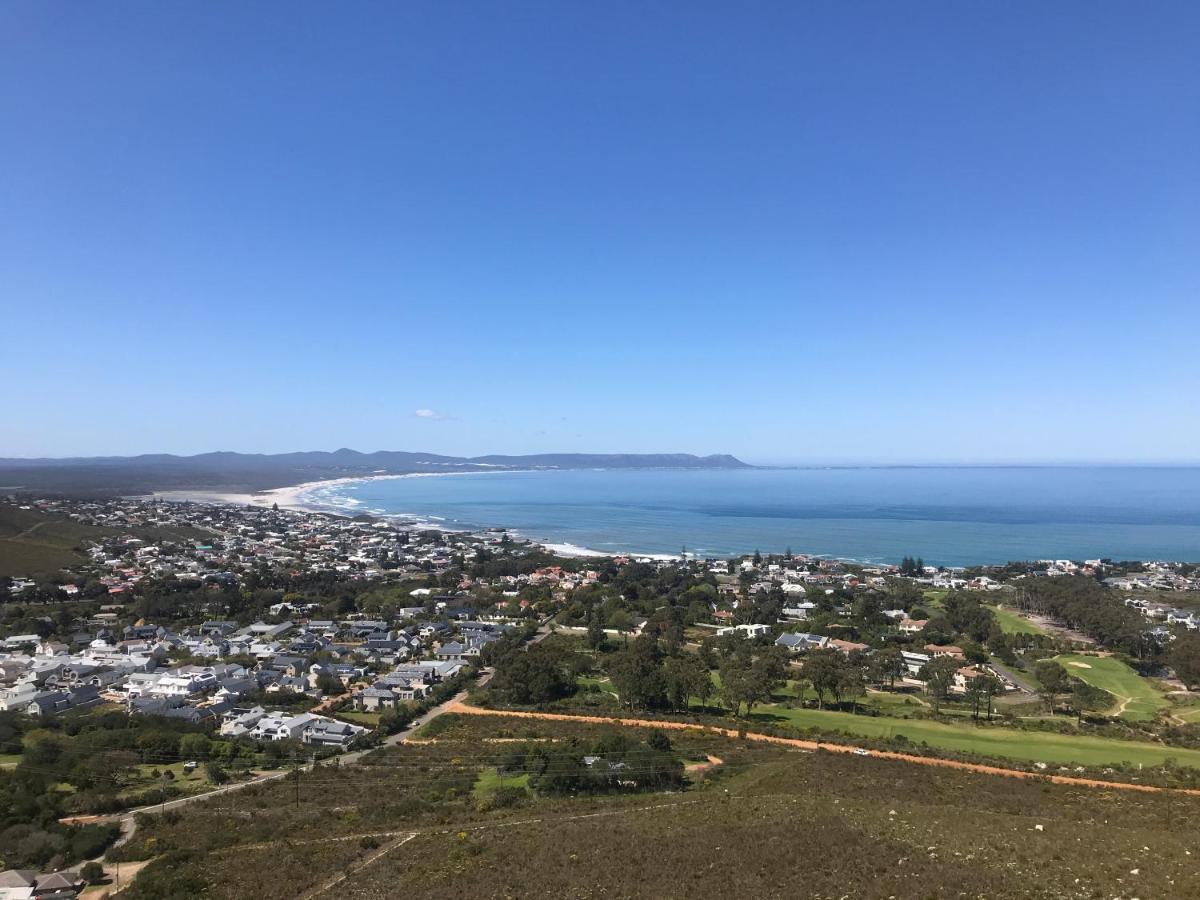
[117, 652]
[263, 639]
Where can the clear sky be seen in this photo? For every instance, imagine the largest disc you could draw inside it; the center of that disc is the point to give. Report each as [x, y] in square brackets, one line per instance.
[790, 231]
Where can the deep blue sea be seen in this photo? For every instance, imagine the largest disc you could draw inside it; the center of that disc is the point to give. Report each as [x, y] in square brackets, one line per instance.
[949, 516]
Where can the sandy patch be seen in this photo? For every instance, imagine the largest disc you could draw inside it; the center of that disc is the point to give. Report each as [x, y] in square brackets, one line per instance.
[1079, 665]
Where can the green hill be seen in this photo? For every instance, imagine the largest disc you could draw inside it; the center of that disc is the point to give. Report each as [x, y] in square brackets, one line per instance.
[35, 543]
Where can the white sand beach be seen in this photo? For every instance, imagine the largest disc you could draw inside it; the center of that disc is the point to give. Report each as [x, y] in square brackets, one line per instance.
[294, 497]
[291, 497]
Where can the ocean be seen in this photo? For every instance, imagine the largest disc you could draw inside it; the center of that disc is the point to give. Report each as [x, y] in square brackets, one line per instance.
[947, 515]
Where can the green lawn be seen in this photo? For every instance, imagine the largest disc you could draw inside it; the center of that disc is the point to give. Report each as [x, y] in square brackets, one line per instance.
[1137, 698]
[9, 760]
[1009, 743]
[884, 701]
[932, 599]
[370, 719]
[490, 780]
[598, 682]
[1012, 622]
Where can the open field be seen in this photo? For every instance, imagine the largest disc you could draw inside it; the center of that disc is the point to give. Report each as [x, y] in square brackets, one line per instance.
[411, 824]
[34, 543]
[22, 557]
[994, 741]
[967, 736]
[1138, 700]
[1012, 622]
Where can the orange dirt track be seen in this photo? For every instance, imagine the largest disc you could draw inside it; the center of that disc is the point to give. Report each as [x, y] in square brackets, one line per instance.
[799, 744]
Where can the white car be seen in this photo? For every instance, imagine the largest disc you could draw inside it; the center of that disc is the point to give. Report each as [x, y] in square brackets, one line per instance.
[859, 751]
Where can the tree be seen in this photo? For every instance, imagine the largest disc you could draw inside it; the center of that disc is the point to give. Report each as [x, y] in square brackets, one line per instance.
[735, 684]
[939, 674]
[92, 872]
[622, 622]
[537, 675]
[767, 674]
[216, 772]
[1087, 698]
[988, 687]
[887, 665]
[751, 682]
[851, 685]
[1184, 658]
[636, 672]
[686, 676]
[974, 696]
[823, 669]
[1053, 680]
[194, 746]
[595, 634]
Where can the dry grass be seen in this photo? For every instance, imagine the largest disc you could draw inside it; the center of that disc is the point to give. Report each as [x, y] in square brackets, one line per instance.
[768, 823]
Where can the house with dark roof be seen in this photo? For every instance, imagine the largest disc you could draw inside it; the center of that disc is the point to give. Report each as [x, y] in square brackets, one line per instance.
[799, 642]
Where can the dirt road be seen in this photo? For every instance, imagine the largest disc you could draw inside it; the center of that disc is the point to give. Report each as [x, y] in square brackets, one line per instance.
[800, 744]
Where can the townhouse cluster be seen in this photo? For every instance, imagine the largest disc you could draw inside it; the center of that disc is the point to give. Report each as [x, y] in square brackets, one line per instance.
[378, 663]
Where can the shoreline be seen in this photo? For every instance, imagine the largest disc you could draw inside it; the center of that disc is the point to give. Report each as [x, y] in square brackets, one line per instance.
[292, 498]
[304, 498]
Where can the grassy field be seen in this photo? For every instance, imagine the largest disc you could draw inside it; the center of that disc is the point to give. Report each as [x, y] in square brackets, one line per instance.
[188, 783]
[599, 682]
[1012, 622]
[964, 735]
[25, 557]
[993, 741]
[34, 543]
[1190, 714]
[878, 828]
[491, 780]
[1138, 700]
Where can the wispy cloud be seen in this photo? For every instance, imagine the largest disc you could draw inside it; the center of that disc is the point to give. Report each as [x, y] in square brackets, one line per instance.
[429, 414]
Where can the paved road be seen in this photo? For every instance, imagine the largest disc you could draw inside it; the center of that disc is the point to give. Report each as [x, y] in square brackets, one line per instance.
[1012, 676]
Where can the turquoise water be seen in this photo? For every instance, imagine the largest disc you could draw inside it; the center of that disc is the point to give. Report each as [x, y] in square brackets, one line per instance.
[949, 516]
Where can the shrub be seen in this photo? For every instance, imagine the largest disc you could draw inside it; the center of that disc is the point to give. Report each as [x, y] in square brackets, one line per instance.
[92, 873]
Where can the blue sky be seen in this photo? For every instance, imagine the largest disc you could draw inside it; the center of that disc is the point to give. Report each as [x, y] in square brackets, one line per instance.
[793, 232]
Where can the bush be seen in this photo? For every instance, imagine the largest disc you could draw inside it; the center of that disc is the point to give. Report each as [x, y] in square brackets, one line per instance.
[216, 774]
[92, 873]
[165, 879]
[503, 798]
[92, 840]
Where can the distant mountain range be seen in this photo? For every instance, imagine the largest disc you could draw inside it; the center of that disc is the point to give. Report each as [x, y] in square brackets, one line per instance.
[109, 475]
